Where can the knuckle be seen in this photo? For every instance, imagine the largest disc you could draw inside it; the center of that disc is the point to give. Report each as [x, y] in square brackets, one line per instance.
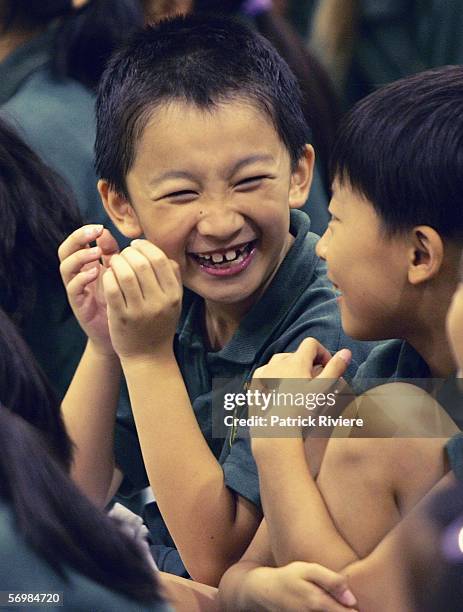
[126, 278]
[159, 258]
[143, 266]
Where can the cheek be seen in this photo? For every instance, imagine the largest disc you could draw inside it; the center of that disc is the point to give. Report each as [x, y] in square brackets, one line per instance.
[455, 327]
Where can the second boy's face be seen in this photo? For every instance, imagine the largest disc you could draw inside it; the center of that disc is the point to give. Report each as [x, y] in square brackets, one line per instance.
[455, 324]
[213, 191]
[369, 269]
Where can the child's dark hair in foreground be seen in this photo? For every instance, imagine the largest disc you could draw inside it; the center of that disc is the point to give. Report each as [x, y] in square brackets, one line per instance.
[200, 62]
[59, 524]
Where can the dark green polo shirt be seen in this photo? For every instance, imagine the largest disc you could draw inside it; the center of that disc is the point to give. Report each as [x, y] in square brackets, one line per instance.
[299, 303]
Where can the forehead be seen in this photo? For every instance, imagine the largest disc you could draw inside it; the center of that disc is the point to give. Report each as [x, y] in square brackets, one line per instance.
[182, 132]
[347, 198]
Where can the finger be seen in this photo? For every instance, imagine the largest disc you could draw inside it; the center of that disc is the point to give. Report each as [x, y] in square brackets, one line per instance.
[108, 245]
[337, 365]
[77, 285]
[127, 281]
[167, 278]
[144, 272]
[112, 292]
[79, 239]
[313, 352]
[332, 582]
[74, 263]
[317, 600]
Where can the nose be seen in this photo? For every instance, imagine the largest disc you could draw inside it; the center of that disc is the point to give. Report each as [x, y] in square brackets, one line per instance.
[322, 246]
[219, 222]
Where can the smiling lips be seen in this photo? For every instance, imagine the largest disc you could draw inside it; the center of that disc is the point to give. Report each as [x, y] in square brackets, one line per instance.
[226, 262]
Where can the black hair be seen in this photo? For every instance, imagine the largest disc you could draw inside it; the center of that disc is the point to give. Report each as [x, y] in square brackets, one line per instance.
[25, 390]
[402, 149]
[53, 516]
[84, 39]
[203, 61]
[37, 214]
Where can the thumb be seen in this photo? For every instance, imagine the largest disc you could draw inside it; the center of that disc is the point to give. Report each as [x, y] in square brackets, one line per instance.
[337, 365]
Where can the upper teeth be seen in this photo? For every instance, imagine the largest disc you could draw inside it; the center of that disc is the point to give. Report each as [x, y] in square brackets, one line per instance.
[220, 257]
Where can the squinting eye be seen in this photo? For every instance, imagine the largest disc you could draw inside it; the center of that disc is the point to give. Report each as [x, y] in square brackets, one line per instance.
[181, 195]
[252, 181]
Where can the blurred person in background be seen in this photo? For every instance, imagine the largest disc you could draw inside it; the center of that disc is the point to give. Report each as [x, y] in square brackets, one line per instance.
[52, 53]
[364, 44]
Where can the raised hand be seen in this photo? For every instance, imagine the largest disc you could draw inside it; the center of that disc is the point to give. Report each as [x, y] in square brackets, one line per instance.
[82, 269]
[143, 291]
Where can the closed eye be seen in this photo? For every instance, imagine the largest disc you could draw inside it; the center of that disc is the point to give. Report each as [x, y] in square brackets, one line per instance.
[252, 182]
[184, 195]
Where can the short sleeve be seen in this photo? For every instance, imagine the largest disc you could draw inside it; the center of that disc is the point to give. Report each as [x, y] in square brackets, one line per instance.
[240, 471]
[454, 449]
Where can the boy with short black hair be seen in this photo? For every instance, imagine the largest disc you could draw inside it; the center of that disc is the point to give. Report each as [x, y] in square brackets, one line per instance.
[201, 146]
[392, 248]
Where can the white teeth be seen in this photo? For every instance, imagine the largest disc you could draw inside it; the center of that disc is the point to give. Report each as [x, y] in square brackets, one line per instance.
[217, 258]
[229, 255]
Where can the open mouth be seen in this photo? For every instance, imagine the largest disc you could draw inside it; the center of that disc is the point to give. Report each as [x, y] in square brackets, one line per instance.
[226, 262]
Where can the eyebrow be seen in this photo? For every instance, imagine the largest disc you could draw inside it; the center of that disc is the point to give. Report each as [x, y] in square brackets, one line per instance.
[172, 174]
[247, 161]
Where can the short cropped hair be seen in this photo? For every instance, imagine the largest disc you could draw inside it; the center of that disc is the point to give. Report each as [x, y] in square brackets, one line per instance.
[402, 149]
[202, 61]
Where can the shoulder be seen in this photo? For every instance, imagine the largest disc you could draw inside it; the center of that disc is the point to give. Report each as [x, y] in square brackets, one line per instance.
[42, 86]
[403, 410]
[381, 363]
[43, 106]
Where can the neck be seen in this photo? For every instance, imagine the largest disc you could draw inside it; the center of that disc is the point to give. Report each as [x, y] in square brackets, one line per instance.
[12, 39]
[222, 321]
[432, 344]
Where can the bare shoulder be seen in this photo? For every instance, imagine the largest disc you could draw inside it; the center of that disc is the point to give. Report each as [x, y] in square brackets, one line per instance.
[403, 410]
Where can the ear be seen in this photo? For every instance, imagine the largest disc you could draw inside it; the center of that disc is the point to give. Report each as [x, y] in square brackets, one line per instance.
[301, 178]
[426, 254]
[120, 211]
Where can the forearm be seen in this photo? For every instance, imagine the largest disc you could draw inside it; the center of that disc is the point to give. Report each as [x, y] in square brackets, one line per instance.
[299, 523]
[201, 513]
[89, 409]
[236, 592]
